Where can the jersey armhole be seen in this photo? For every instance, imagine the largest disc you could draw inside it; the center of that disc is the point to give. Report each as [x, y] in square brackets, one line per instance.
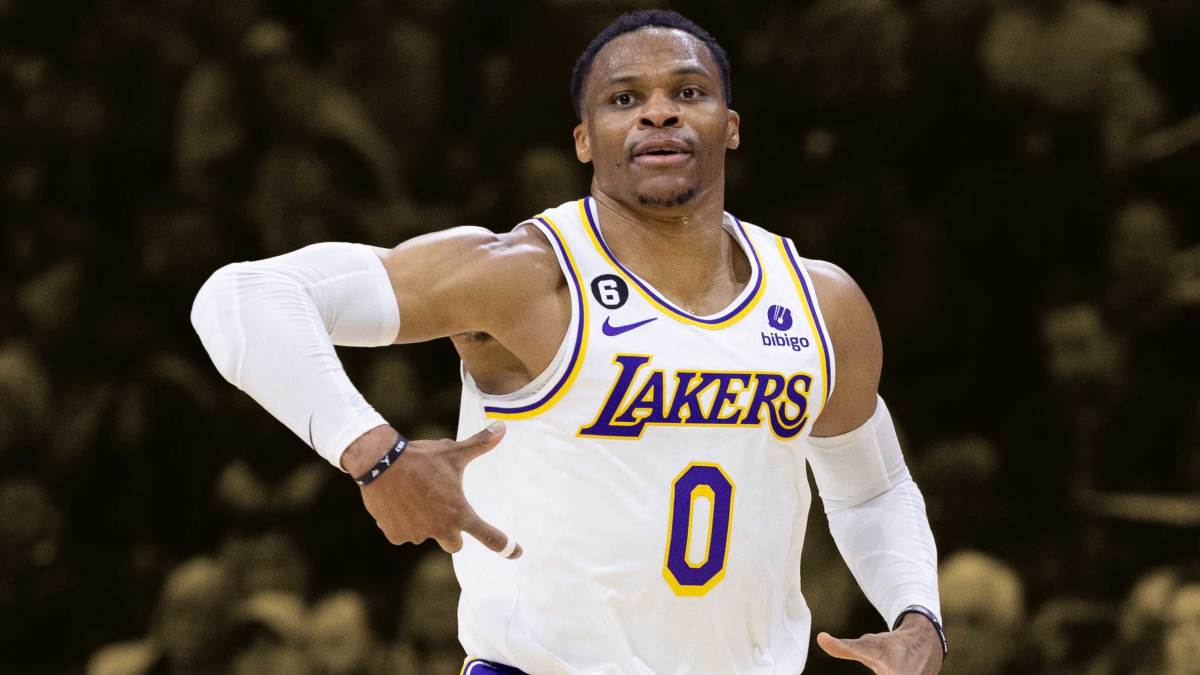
[812, 307]
[553, 382]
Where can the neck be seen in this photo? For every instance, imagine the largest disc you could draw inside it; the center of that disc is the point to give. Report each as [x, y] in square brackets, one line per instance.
[703, 211]
[684, 251]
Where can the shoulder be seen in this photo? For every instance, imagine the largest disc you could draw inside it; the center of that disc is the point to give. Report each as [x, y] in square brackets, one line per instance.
[469, 278]
[525, 251]
[844, 306]
[470, 253]
[856, 345]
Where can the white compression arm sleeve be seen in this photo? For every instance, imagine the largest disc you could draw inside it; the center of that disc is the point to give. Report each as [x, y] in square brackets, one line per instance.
[877, 515]
[270, 327]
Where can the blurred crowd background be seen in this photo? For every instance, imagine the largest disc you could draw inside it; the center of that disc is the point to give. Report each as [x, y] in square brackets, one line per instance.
[1013, 182]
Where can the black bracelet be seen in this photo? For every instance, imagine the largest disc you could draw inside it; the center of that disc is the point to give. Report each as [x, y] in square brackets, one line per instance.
[388, 460]
[917, 609]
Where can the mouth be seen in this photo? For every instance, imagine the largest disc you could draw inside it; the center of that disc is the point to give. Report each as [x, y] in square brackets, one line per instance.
[665, 152]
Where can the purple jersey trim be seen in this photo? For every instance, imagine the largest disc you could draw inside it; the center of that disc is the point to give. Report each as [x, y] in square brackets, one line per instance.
[663, 302]
[812, 307]
[573, 280]
[481, 667]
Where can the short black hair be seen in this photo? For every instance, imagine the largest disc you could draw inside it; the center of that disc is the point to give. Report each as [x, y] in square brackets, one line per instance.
[646, 18]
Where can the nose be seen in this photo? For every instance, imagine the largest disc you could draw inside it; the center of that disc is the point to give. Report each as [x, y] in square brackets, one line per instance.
[660, 111]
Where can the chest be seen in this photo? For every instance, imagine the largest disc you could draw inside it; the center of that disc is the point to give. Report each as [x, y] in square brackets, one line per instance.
[643, 366]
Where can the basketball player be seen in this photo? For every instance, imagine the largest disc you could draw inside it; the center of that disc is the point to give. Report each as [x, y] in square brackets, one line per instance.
[645, 379]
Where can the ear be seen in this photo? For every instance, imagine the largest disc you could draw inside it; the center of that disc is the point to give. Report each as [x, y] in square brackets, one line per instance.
[733, 125]
[583, 150]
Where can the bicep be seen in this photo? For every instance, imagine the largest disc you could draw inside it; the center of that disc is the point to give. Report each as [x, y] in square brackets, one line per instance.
[857, 346]
[460, 280]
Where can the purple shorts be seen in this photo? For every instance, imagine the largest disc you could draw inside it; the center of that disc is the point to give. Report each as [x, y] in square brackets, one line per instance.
[481, 667]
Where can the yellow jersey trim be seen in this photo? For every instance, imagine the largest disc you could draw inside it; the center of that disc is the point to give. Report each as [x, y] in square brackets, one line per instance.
[759, 276]
[579, 350]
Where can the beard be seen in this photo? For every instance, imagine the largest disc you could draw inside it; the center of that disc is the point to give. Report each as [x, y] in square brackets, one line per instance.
[666, 201]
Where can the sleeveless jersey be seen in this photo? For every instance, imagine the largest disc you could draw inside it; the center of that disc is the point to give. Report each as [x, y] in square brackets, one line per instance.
[654, 474]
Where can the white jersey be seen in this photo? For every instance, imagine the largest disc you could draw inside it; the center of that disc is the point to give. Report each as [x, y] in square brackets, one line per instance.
[654, 474]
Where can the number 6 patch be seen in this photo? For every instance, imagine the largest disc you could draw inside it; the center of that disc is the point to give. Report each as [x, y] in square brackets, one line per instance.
[610, 290]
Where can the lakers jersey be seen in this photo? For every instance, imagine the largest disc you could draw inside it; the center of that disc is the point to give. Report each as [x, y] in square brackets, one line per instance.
[654, 474]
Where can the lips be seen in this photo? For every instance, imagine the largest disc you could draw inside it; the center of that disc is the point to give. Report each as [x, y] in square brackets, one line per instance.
[662, 146]
[663, 151]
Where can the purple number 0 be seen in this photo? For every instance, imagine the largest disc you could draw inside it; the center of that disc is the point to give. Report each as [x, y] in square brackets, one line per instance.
[699, 479]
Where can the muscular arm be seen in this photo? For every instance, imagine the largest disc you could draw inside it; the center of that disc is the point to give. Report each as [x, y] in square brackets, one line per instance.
[270, 325]
[876, 513]
[499, 296]
[857, 347]
[468, 279]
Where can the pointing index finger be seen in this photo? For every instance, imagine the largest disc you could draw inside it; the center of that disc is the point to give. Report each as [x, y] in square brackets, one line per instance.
[491, 537]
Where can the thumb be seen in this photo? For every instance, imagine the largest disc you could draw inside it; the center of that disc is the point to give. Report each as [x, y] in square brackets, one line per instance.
[841, 649]
[485, 440]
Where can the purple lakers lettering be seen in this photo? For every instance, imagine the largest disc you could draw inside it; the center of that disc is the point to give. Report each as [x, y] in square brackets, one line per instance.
[642, 397]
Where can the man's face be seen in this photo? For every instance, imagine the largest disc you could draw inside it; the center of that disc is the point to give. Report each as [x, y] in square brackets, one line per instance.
[983, 608]
[193, 612]
[655, 123]
[1182, 639]
[1141, 242]
[1081, 354]
[339, 635]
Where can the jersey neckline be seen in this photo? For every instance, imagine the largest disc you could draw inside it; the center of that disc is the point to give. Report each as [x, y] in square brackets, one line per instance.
[739, 307]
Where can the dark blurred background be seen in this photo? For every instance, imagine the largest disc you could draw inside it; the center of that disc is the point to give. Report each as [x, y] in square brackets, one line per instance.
[1013, 183]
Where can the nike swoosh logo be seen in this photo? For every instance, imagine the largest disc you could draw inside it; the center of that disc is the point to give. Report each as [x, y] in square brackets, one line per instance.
[611, 330]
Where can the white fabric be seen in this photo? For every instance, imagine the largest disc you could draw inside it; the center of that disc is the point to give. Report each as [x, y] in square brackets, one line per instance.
[270, 327]
[595, 591]
[877, 515]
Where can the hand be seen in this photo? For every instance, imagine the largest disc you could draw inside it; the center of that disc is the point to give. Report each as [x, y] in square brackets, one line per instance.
[421, 496]
[912, 649]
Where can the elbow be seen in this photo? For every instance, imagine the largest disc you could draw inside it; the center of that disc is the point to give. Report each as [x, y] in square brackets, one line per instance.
[216, 319]
[898, 480]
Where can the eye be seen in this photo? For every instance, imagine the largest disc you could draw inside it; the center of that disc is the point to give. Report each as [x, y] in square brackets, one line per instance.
[689, 93]
[624, 98]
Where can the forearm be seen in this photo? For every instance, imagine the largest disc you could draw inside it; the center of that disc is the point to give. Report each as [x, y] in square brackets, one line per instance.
[877, 515]
[270, 327]
[889, 548]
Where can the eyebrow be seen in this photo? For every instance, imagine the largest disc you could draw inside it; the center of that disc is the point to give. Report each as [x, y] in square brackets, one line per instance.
[683, 70]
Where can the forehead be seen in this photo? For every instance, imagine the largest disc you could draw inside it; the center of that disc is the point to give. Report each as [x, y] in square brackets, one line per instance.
[195, 580]
[1141, 213]
[336, 614]
[1186, 605]
[651, 49]
[1072, 320]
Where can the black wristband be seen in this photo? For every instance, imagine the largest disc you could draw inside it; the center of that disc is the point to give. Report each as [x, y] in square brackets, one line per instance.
[388, 459]
[917, 609]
